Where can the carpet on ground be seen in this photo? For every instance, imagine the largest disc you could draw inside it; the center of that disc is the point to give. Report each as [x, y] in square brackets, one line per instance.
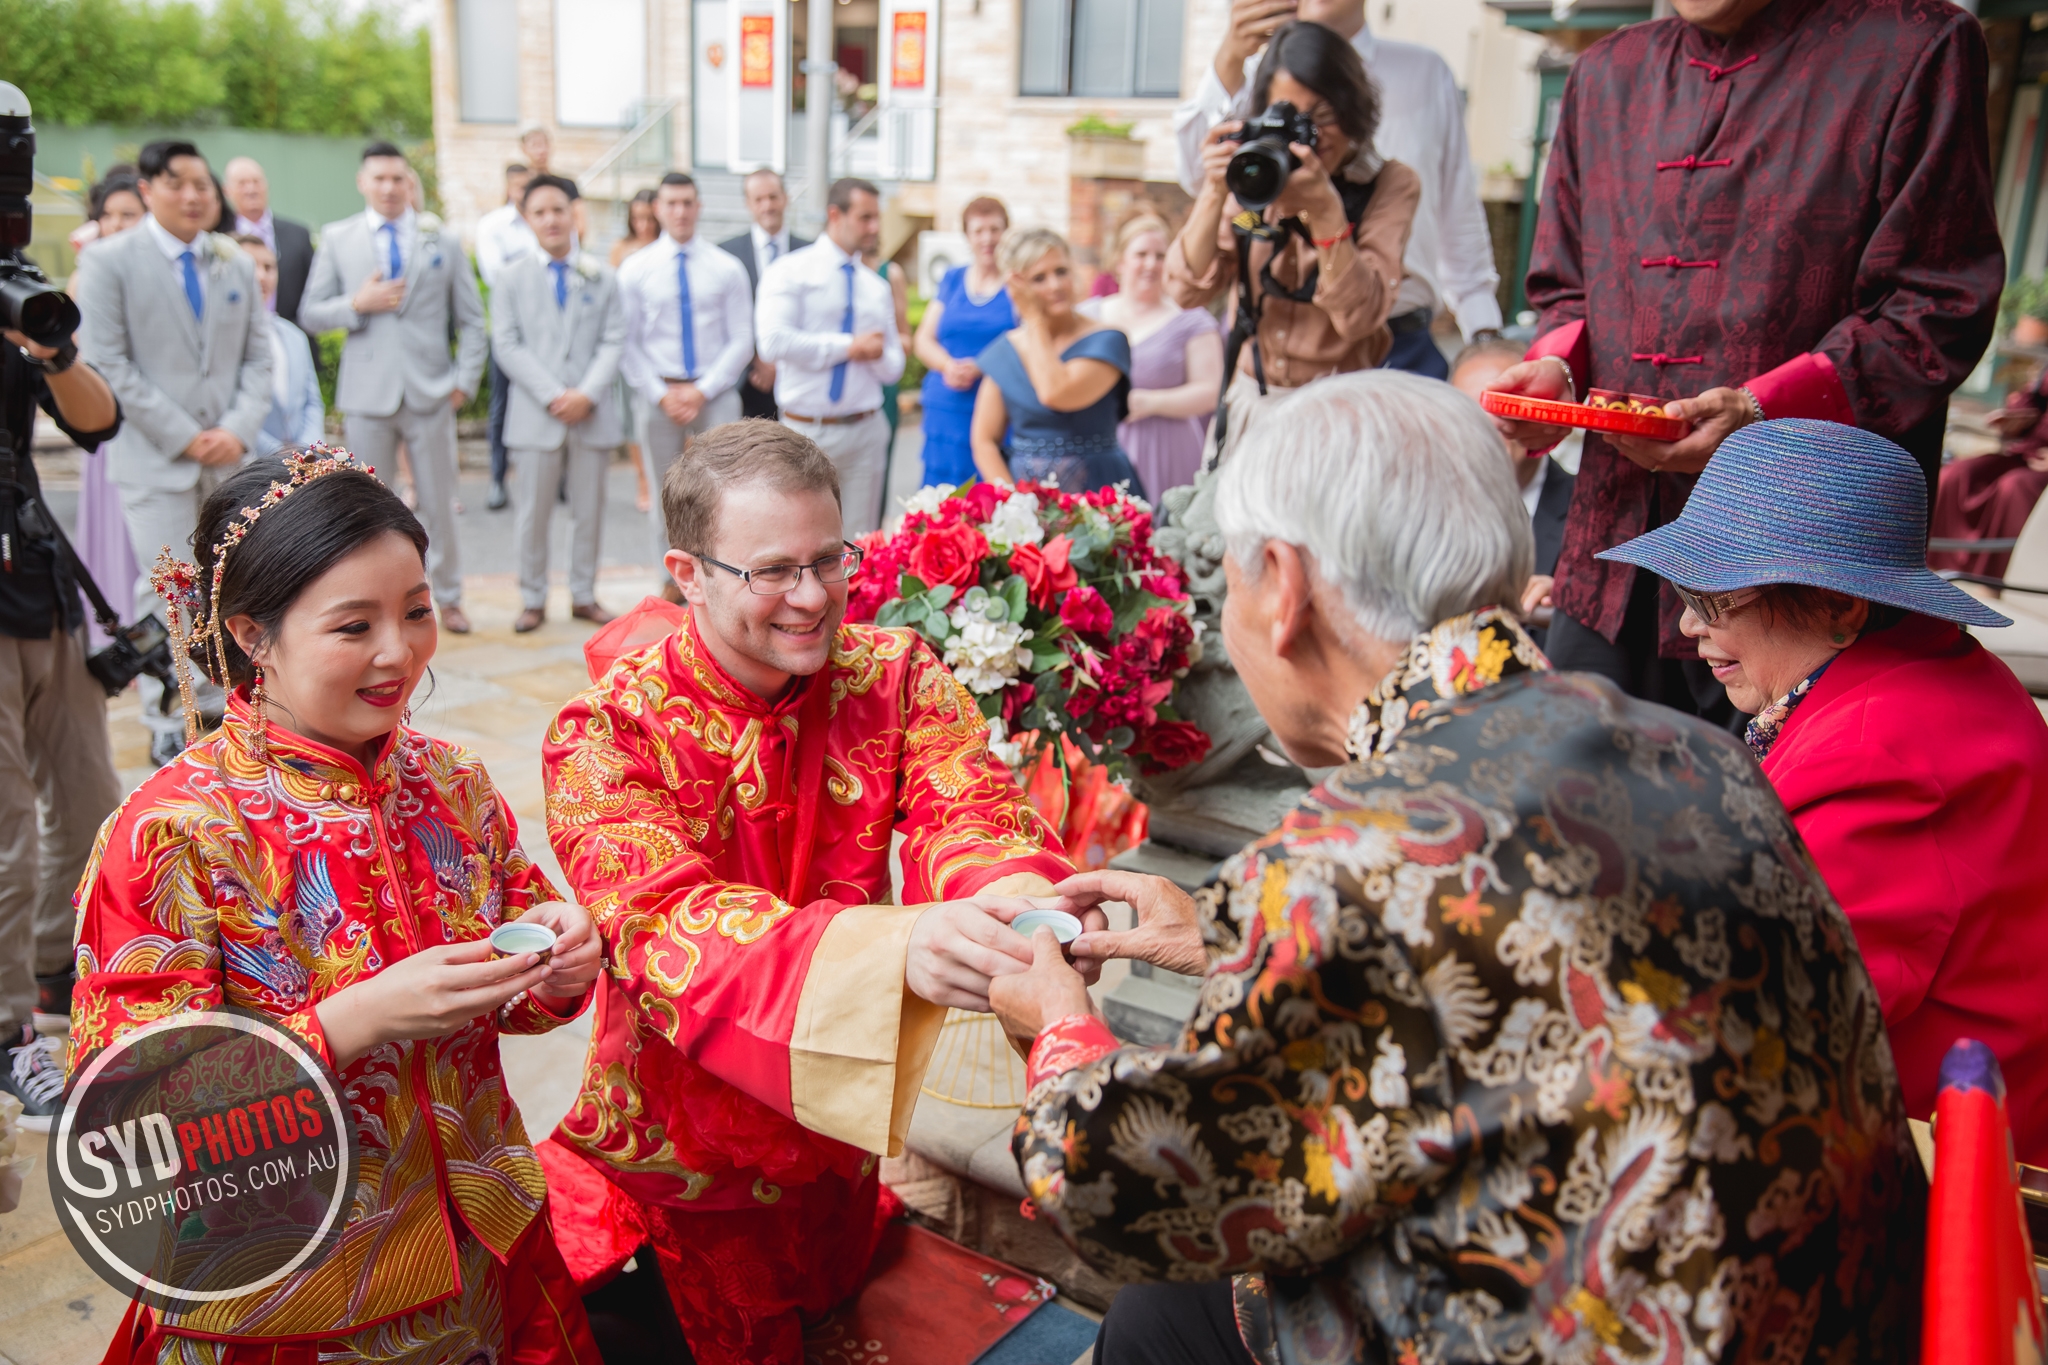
[929, 1301]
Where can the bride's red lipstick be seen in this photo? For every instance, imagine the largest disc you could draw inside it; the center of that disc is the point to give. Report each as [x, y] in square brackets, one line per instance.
[383, 694]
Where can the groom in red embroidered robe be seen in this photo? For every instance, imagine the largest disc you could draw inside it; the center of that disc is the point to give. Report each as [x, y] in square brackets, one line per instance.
[723, 801]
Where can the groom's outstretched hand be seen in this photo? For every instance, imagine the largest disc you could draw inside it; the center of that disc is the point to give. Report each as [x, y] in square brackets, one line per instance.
[956, 947]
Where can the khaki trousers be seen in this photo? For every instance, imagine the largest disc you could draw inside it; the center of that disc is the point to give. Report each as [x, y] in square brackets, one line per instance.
[860, 452]
[57, 785]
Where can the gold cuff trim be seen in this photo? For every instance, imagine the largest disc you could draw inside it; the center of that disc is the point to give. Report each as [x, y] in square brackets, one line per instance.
[861, 1043]
[1018, 884]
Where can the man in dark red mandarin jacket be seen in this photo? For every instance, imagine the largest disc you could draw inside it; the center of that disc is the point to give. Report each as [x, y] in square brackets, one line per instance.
[1781, 208]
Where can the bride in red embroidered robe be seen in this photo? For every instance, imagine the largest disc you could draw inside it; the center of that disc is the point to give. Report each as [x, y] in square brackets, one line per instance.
[723, 800]
[318, 862]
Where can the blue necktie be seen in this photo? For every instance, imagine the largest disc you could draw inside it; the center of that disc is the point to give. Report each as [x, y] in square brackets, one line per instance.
[561, 269]
[397, 270]
[192, 294]
[689, 326]
[839, 370]
[773, 251]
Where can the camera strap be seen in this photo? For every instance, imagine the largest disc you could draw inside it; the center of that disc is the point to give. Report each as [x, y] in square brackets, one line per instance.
[1249, 227]
[69, 570]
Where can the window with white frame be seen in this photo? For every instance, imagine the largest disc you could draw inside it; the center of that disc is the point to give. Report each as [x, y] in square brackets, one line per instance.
[1101, 49]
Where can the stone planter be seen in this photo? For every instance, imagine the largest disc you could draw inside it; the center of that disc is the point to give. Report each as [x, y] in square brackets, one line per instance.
[1105, 158]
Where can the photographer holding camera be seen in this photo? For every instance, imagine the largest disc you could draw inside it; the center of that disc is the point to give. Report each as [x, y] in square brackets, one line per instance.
[1304, 217]
[54, 752]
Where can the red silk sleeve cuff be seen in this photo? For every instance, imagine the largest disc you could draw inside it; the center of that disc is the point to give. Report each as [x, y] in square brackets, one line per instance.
[1804, 386]
[1065, 1044]
[559, 1010]
[1567, 343]
[974, 881]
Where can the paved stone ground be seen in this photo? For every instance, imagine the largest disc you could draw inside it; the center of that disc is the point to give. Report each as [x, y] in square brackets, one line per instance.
[493, 691]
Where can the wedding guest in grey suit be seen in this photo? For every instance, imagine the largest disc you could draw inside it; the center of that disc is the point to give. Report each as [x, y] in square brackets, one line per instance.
[557, 329]
[176, 323]
[297, 415]
[400, 284]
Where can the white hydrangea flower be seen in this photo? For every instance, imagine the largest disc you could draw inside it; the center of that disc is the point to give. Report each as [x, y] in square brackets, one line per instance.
[1015, 522]
[1007, 751]
[983, 654]
[927, 500]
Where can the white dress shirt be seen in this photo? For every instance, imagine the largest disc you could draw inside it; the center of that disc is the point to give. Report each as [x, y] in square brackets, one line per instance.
[173, 248]
[721, 317]
[404, 225]
[763, 258]
[801, 317]
[502, 237]
[1532, 491]
[264, 227]
[1449, 260]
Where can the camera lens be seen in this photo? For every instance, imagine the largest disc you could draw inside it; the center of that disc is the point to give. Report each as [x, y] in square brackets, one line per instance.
[1258, 173]
[30, 306]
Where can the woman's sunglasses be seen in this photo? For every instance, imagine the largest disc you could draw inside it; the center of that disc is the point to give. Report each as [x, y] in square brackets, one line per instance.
[1710, 607]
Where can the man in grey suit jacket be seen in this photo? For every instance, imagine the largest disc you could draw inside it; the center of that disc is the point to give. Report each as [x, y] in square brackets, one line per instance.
[400, 285]
[176, 323]
[557, 329]
[761, 246]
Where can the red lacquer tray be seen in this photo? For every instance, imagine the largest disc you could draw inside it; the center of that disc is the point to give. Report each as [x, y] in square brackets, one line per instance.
[1515, 407]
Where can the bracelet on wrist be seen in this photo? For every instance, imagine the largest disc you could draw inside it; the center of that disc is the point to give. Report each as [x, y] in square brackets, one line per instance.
[1571, 382]
[1326, 243]
[1756, 407]
[66, 357]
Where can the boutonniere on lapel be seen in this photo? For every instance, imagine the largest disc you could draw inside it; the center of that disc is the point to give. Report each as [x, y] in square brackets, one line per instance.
[430, 237]
[217, 250]
[588, 267]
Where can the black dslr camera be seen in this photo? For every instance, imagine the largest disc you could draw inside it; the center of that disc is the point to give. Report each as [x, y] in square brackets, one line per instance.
[28, 302]
[1259, 171]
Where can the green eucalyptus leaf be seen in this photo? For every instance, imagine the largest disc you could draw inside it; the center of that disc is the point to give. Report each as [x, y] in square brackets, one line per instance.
[940, 595]
[910, 585]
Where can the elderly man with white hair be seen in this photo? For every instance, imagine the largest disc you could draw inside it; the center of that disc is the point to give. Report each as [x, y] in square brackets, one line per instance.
[1531, 1034]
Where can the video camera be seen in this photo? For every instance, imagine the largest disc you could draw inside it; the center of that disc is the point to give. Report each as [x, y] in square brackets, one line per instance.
[1259, 170]
[29, 304]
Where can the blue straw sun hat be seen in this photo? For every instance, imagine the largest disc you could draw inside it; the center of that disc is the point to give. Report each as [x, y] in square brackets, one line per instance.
[1819, 503]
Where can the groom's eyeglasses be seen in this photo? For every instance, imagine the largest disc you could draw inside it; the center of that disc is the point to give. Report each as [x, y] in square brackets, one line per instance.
[775, 580]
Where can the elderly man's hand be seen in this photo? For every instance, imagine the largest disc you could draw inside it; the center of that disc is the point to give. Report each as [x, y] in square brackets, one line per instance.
[1715, 415]
[1169, 930]
[1543, 377]
[958, 947]
[1051, 990]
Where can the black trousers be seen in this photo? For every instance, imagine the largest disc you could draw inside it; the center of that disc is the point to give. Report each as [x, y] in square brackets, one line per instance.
[1171, 1324]
[1631, 662]
[757, 402]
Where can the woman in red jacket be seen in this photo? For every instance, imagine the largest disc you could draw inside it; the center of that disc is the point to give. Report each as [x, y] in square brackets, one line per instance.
[1913, 762]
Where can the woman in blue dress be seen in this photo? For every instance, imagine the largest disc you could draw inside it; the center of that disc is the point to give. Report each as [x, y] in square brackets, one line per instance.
[971, 310]
[1057, 385]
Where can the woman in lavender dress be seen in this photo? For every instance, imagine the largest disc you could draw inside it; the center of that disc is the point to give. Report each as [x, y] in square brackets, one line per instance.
[1176, 360]
[102, 539]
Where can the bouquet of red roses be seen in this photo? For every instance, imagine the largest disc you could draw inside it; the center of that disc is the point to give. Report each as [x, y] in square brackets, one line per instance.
[1052, 609]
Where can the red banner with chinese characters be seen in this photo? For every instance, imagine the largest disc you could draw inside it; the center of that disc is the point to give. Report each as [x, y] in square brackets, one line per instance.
[757, 51]
[906, 50]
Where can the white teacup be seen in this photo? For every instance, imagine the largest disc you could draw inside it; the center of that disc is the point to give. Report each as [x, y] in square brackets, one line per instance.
[1065, 927]
[522, 936]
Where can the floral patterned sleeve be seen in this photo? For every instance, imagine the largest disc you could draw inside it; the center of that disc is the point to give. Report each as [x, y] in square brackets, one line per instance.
[148, 937]
[1265, 1140]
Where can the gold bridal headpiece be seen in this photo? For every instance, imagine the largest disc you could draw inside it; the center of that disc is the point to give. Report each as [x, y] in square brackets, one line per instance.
[192, 610]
